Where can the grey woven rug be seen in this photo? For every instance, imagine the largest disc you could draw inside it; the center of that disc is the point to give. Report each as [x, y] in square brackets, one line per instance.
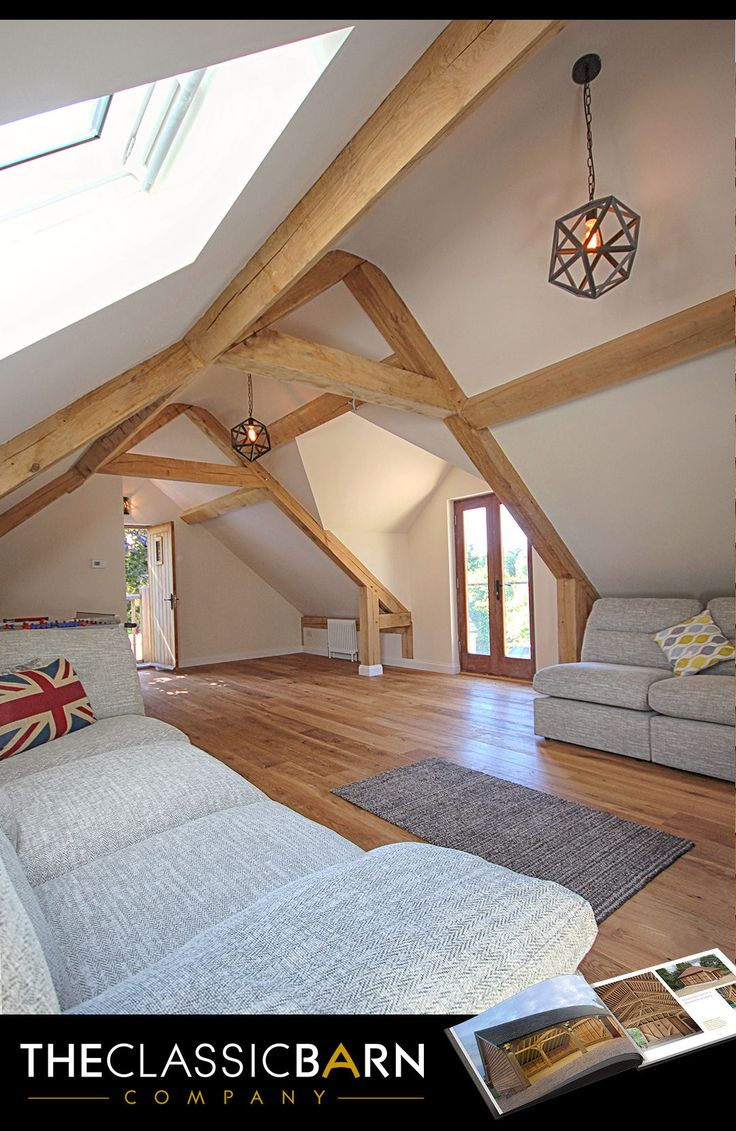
[602, 857]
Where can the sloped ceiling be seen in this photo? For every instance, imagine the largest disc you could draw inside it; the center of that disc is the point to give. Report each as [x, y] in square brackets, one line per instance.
[36, 74]
[383, 480]
[383, 483]
[637, 479]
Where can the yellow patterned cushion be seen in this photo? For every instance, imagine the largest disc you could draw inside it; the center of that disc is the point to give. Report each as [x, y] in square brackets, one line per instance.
[694, 645]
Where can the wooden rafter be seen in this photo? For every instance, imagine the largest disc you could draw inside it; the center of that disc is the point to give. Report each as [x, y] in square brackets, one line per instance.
[670, 341]
[499, 473]
[370, 632]
[327, 271]
[234, 500]
[94, 414]
[318, 411]
[395, 322]
[180, 470]
[574, 602]
[63, 484]
[465, 62]
[131, 432]
[388, 622]
[286, 358]
[127, 435]
[328, 542]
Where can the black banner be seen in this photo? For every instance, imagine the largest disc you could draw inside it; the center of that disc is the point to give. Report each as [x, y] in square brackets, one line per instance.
[330, 1070]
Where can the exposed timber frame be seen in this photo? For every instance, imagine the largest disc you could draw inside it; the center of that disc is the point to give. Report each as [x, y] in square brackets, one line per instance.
[468, 60]
[374, 596]
[679, 337]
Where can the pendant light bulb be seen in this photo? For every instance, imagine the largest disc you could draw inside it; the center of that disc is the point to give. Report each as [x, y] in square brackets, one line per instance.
[252, 434]
[592, 240]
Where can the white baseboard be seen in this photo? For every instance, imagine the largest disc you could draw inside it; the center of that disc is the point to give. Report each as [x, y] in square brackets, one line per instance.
[399, 662]
[232, 657]
[422, 666]
[370, 669]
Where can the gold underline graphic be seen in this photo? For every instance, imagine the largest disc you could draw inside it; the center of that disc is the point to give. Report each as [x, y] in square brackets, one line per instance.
[380, 1097]
[68, 1097]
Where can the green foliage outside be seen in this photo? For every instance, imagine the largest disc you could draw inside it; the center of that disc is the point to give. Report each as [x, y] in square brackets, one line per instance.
[712, 963]
[516, 607]
[637, 1037]
[136, 559]
[672, 975]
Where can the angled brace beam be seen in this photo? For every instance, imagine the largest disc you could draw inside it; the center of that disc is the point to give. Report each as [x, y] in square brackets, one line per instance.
[329, 543]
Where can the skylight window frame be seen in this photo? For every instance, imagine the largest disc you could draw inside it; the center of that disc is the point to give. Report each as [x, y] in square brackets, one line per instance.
[98, 124]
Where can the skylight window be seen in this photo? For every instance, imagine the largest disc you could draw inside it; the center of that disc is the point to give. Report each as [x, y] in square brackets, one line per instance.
[29, 138]
[87, 225]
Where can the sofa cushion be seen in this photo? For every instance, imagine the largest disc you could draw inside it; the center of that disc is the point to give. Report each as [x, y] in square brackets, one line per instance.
[40, 704]
[176, 884]
[702, 748]
[707, 698]
[722, 611]
[44, 932]
[26, 985]
[106, 734]
[619, 629]
[694, 644]
[615, 685]
[616, 729]
[101, 656]
[74, 813]
[406, 928]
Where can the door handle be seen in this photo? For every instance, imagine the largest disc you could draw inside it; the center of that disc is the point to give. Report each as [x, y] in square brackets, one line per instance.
[497, 589]
[173, 601]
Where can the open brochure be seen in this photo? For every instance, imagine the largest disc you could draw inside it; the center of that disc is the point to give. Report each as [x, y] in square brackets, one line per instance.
[563, 1033]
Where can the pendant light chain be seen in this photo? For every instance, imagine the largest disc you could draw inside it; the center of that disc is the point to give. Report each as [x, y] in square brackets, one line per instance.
[250, 396]
[589, 139]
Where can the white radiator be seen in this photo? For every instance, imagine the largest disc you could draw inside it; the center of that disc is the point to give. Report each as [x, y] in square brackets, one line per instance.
[342, 638]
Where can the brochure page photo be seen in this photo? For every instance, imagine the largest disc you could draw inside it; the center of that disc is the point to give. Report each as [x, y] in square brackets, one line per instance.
[563, 1033]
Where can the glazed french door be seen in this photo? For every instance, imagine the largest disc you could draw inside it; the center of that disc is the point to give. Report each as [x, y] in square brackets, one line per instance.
[163, 599]
[494, 590]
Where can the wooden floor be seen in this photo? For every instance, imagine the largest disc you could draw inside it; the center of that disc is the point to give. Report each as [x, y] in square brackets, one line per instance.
[297, 726]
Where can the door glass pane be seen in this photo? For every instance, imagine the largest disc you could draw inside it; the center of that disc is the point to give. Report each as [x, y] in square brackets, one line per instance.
[516, 615]
[475, 533]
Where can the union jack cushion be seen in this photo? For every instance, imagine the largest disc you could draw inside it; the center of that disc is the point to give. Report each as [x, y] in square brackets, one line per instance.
[38, 704]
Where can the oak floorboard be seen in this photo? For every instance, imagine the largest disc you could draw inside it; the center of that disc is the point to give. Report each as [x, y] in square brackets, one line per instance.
[298, 726]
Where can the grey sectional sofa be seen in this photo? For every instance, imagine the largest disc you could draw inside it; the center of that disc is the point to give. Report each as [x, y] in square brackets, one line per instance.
[624, 698]
[139, 874]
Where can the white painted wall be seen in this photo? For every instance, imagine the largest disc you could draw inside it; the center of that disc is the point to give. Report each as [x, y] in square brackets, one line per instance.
[45, 565]
[226, 611]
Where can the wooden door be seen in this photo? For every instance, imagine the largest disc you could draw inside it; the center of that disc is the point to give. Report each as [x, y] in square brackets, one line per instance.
[163, 600]
[494, 590]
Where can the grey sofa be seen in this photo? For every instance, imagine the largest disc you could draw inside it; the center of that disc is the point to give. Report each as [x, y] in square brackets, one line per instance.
[139, 874]
[624, 698]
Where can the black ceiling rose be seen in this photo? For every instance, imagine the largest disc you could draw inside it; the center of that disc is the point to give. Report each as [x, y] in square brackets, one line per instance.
[586, 68]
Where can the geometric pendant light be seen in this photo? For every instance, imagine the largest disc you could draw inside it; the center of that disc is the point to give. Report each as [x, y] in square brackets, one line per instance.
[594, 246]
[250, 438]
